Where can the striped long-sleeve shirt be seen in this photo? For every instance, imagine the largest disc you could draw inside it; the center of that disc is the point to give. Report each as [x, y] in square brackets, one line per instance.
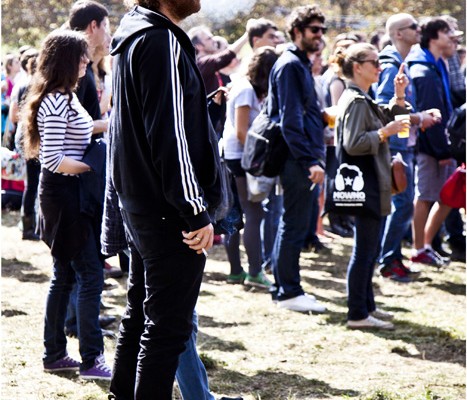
[65, 130]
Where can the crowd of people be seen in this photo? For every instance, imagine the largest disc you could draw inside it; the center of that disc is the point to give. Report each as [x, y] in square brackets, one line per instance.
[137, 160]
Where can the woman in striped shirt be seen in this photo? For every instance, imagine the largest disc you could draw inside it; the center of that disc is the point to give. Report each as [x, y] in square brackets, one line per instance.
[58, 130]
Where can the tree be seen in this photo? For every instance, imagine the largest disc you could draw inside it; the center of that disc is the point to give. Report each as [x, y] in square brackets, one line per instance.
[28, 21]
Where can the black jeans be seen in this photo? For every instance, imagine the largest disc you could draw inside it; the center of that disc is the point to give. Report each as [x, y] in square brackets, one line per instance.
[163, 286]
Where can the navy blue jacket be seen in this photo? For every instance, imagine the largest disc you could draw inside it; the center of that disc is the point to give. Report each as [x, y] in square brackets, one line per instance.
[430, 93]
[294, 103]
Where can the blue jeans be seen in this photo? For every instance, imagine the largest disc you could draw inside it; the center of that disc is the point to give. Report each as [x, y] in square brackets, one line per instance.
[191, 374]
[163, 286]
[86, 270]
[293, 227]
[400, 219]
[272, 207]
[360, 297]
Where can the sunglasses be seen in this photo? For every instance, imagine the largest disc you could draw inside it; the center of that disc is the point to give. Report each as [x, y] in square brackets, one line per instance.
[316, 28]
[413, 26]
[375, 63]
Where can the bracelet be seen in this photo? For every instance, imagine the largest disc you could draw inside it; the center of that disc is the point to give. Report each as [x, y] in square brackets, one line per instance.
[421, 118]
[400, 97]
[382, 136]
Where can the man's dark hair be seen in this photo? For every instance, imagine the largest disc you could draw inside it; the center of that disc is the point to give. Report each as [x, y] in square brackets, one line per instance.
[301, 17]
[259, 68]
[153, 5]
[430, 29]
[258, 27]
[29, 53]
[83, 12]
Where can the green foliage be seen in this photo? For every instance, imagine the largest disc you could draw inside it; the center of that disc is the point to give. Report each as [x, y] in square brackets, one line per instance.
[28, 21]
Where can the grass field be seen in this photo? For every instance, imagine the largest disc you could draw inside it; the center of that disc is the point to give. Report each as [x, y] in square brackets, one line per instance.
[251, 347]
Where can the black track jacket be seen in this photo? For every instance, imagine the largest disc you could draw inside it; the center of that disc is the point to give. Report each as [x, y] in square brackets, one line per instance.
[164, 155]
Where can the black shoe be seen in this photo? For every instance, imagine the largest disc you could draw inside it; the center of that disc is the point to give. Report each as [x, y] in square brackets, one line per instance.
[31, 235]
[442, 252]
[319, 248]
[231, 398]
[457, 254]
[341, 231]
[109, 334]
[106, 320]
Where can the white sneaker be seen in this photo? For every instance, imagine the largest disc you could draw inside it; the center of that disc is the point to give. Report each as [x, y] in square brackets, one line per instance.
[370, 323]
[381, 314]
[302, 303]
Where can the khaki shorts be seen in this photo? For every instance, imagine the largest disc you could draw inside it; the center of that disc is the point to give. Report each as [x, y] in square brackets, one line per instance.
[430, 177]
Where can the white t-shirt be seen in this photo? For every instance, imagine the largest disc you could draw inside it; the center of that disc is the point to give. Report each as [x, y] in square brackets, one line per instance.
[241, 94]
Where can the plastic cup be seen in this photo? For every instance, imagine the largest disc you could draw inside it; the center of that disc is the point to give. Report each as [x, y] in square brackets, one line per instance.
[405, 132]
[330, 114]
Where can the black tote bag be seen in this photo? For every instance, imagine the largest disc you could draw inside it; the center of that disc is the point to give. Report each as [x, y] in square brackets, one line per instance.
[353, 187]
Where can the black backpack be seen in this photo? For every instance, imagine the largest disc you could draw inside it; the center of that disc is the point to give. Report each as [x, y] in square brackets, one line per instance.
[265, 150]
[456, 129]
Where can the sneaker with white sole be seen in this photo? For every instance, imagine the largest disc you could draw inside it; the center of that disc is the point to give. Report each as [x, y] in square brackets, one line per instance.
[63, 364]
[381, 314]
[260, 281]
[100, 370]
[302, 303]
[370, 323]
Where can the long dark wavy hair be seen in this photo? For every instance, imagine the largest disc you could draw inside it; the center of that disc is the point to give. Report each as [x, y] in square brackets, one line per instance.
[57, 68]
[259, 68]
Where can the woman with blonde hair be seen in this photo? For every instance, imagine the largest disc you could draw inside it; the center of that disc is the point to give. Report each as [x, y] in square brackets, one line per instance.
[362, 129]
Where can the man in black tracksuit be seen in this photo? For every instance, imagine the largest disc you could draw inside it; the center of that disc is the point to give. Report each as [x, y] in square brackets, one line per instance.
[165, 169]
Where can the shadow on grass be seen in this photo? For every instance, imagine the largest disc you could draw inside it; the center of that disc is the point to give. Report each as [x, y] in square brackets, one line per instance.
[452, 288]
[432, 343]
[208, 342]
[273, 385]
[209, 322]
[12, 313]
[214, 277]
[22, 271]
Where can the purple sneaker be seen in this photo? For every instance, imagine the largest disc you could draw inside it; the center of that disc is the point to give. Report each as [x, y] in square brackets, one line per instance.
[63, 364]
[100, 370]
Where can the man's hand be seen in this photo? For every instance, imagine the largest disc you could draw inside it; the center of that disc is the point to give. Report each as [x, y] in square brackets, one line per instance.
[431, 117]
[200, 239]
[316, 174]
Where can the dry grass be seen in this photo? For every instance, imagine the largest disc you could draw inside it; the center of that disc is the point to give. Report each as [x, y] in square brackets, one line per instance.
[255, 349]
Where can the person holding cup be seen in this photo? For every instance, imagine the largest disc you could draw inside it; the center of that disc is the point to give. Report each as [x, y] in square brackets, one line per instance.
[404, 33]
[362, 129]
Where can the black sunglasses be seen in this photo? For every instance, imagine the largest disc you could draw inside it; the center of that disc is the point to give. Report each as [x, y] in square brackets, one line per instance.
[413, 26]
[316, 29]
[375, 63]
